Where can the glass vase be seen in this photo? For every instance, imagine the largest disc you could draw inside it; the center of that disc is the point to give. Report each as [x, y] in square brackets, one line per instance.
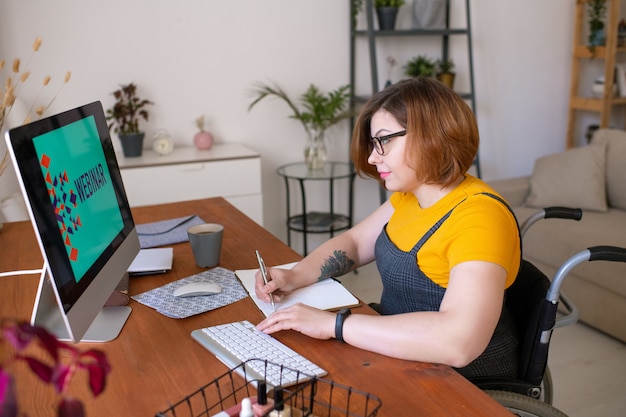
[315, 150]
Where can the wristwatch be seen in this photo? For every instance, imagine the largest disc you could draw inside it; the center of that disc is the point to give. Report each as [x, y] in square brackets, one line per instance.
[341, 317]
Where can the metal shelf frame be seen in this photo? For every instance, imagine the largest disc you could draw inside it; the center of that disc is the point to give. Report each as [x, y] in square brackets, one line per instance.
[371, 34]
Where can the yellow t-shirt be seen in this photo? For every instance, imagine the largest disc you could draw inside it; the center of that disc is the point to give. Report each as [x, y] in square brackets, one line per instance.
[480, 228]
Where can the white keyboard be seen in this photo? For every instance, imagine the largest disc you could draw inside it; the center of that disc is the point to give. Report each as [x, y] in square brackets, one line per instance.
[237, 342]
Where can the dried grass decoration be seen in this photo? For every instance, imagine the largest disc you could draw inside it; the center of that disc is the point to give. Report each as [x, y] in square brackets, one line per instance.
[13, 84]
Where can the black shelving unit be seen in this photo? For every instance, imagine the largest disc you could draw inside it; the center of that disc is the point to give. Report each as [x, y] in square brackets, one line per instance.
[371, 34]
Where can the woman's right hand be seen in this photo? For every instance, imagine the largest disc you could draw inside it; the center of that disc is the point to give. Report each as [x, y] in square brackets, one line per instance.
[280, 283]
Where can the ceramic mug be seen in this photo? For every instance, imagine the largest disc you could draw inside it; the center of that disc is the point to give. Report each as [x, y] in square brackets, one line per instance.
[206, 243]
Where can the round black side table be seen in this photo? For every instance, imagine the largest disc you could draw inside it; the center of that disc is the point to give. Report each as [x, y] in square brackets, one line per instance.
[314, 221]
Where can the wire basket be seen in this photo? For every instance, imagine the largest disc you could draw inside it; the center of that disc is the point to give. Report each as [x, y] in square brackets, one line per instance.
[315, 397]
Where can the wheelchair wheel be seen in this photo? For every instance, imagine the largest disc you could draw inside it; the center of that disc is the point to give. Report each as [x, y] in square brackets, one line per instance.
[523, 406]
[547, 391]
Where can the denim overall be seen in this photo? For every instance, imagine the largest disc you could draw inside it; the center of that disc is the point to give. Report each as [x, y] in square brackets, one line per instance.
[407, 289]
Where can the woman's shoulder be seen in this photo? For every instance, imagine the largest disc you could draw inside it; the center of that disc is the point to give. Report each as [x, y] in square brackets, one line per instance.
[474, 185]
[481, 204]
[477, 188]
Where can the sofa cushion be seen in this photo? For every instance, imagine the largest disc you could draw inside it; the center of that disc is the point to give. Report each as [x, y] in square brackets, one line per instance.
[574, 178]
[615, 141]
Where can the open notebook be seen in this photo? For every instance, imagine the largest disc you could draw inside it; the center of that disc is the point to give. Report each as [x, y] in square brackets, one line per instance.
[329, 294]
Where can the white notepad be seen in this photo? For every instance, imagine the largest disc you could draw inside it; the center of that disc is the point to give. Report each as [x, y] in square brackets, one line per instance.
[329, 294]
[152, 261]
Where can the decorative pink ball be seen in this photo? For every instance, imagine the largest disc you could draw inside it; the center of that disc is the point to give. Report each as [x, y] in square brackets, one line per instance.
[203, 140]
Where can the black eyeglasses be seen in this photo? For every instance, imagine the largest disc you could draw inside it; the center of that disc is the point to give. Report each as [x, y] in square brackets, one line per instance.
[379, 142]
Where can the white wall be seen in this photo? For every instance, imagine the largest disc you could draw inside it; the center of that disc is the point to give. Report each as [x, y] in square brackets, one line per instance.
[197, 57]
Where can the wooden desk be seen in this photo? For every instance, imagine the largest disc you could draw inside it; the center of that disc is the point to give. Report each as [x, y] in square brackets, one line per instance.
[156, 362]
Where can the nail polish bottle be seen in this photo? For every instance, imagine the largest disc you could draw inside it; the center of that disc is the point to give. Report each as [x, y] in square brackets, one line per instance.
[237, 409]
[246, 408]
[280, 409]
[262, 405]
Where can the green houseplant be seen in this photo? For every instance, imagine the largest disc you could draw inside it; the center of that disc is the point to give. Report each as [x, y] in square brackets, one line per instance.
[125, 115]
[596, 11]
[420, 66]
[445, 71]
[317, 113]
[388, 3]
[387, 11]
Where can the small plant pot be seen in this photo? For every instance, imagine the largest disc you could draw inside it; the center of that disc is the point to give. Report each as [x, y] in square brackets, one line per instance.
[597, 37]
[387, 17]
[446, 78]
[132, 145]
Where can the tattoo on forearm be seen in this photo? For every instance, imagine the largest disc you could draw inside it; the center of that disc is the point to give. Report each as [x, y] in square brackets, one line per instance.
[336, 265]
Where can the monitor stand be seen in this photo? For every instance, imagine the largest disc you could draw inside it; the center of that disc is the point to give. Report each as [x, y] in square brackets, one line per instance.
[47, 313]
[107, 325]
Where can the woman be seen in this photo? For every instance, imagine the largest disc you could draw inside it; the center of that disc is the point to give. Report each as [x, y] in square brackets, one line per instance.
[446, 245]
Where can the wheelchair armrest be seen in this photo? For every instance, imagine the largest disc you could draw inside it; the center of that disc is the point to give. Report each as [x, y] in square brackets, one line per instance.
[572, 312]
[555, 212]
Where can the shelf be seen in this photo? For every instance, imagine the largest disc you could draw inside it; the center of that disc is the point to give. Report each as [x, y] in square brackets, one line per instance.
[582, 55]
[594, 104]
[464, 96]
[317, 222]
[412, 32]
[599, 52]
[370, 34]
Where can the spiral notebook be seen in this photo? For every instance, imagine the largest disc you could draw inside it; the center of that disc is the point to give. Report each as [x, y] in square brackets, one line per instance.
[328, 294]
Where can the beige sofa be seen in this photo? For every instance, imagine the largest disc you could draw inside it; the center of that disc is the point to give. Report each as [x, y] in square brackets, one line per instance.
[592, 178]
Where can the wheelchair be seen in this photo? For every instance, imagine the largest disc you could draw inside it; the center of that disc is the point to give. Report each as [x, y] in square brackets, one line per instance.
[533, 301]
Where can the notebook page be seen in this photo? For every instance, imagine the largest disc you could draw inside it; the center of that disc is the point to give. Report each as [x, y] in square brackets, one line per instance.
[325, 295]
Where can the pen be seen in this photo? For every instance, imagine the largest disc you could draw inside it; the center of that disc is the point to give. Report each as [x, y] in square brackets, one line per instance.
[264, 274]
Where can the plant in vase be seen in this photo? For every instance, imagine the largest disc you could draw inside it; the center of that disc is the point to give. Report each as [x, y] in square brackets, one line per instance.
[391, 62]
[420, 66]
[125, 115]
[445, 72]
[20, 341]
[319, 112]
[202, 140]
[596, 11]
[357, 6]
[387, 11]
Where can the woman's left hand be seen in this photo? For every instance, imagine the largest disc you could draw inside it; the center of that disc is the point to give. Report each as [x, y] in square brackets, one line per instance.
[307, 320]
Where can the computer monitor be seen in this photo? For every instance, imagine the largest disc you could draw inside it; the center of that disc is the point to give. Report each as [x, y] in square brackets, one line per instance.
[73, 190]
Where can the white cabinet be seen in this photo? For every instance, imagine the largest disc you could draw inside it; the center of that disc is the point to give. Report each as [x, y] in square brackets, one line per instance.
[231, 171]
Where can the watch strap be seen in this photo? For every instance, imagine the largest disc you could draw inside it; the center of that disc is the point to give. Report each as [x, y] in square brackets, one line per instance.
[339, 320]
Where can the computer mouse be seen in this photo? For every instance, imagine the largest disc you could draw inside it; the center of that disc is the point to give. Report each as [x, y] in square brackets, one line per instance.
[197, 288]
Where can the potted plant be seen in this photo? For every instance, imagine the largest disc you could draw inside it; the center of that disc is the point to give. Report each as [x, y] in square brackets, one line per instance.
[357, 6]
[445, 72]
[203, 140]
[387, 11]
[52, 361]
[420, 66]
[319, 112]
[596, 11]
[125, 116]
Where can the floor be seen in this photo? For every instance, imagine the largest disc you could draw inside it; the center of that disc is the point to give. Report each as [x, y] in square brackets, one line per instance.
[588, 368]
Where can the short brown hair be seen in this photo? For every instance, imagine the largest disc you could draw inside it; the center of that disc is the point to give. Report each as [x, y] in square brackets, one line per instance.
[442, 135]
